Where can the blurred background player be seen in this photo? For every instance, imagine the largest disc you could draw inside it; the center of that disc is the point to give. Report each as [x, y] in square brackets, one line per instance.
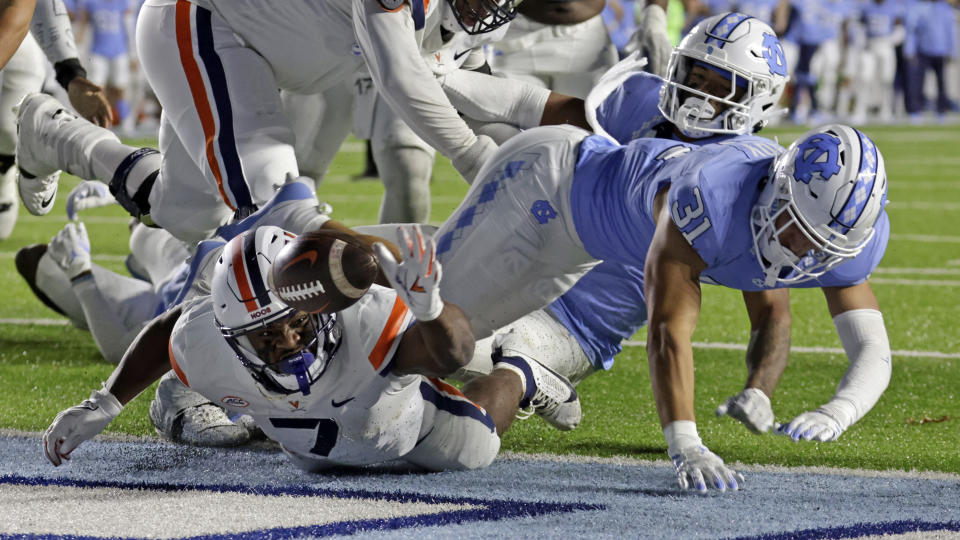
[109, 23]
[930, 42]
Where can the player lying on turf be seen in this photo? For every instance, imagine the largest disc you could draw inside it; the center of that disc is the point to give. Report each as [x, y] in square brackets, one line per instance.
[712, 94]
[556, 200]
[354, 387]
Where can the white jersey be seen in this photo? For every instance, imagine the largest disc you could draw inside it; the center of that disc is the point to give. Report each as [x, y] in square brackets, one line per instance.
[358, 412]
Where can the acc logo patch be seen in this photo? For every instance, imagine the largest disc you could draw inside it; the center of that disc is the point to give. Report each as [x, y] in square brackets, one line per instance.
[235, 401]
[391, 5]
[818, 157]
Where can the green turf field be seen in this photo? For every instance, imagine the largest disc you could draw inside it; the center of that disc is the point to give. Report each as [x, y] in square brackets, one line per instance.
[45, 366]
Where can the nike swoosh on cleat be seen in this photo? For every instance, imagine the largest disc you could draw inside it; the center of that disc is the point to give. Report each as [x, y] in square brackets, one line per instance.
[457, 55]
[46, 202]
[336, 403]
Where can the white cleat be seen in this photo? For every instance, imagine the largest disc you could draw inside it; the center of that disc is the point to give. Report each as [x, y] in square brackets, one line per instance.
[554, 399]
[39, 117]
[182, 415]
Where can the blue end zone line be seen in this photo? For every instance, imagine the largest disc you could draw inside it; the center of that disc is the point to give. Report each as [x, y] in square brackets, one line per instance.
[860, 530]
[492, 510]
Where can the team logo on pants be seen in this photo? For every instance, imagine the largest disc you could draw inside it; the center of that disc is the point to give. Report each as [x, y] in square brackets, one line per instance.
[543, 211]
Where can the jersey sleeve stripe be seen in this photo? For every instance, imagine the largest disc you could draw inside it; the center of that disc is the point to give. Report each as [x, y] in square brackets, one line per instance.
[390, 331]
[448, 399]
[176, 367]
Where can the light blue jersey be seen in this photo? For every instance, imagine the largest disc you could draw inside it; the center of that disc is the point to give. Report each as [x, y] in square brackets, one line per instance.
[761, 9]
[714, 188]
[879, 19]
[106, 21]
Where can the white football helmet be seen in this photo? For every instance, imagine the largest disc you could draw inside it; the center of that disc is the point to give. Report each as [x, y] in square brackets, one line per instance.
[746, 52]
[832, 184]
[477, 16]
[243, 303]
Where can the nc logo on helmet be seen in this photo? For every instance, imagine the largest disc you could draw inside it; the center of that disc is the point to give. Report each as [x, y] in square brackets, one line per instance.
[817, 157]
[773, 54]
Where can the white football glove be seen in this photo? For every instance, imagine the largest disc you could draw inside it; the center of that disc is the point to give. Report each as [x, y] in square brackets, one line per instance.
[469, 160]
[417, 278]
[815, 425]
[88, 194]
[698, 468]
[79, 423]
[751, 407]
[70, 249]
[651, 39]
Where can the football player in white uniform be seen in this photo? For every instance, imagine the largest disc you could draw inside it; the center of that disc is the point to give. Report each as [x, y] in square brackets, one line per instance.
[352, 388]
[24, 74]
[216, 66]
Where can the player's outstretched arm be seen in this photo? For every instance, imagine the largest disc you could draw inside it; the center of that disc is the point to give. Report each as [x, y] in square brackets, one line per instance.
[144, 362]
[859, 324]
[767, 355]
[442, 341]
[15, 18]
[672, 287]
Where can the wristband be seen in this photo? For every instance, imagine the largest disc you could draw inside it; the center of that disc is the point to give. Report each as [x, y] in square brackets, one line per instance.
[68, 70]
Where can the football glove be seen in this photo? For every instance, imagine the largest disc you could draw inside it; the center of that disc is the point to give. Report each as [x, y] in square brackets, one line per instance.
[417, 278]
[88, 194]
[751, 407]
[651, 39]
[79, 423]
[70, 249]
[816, 425]
[469, 161]
[698, 468]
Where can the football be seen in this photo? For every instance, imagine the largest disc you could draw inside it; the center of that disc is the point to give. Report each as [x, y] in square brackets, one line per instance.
[323, 271]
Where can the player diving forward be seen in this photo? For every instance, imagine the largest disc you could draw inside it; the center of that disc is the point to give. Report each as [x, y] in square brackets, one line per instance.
[353, 388]
[555, 200]
[712, 93]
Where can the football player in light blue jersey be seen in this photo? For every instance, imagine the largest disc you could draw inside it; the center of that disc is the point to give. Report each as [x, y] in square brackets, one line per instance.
[607, 305]
[555, 201]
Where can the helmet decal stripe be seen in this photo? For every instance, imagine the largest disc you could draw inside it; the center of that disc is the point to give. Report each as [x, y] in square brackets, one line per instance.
[251, 258]
[720, 33]
[857, 200]
[240, 274]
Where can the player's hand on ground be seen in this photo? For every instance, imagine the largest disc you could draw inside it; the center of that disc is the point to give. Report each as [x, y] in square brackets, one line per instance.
[700, 469]
[651, 39]
[751, 407]
[417, 278]
[88, 194]
[79, 423]
[90, 101]
[70, 249]
[812, 426]
[469, 161]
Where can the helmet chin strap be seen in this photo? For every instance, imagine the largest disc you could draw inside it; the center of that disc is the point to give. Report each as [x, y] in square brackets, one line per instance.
[298, 365]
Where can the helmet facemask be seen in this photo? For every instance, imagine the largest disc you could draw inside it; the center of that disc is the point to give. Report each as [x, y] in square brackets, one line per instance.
[479, 16]
[837, 218]
[296, 371]
[747, 54]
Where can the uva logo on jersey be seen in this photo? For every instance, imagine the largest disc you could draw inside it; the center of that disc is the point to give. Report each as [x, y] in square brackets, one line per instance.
[818, 157]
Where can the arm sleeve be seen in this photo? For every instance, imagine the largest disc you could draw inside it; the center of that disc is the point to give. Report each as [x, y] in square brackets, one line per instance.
[51, 28]
[388, 43]
[865, 341]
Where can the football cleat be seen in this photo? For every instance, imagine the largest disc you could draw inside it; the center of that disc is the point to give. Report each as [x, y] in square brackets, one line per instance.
[27, 261]
[549, 394]
[50, 137]
[184, 416]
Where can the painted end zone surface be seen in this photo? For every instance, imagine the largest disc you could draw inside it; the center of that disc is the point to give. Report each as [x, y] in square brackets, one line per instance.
[155, 489]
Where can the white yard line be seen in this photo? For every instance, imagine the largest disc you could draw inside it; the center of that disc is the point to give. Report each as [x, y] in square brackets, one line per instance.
[814, 350]
[920, 271]
[927, 238]
[915, 282]
[924, 205]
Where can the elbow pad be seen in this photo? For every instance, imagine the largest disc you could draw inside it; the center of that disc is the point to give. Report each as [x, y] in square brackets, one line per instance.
[865, 341]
